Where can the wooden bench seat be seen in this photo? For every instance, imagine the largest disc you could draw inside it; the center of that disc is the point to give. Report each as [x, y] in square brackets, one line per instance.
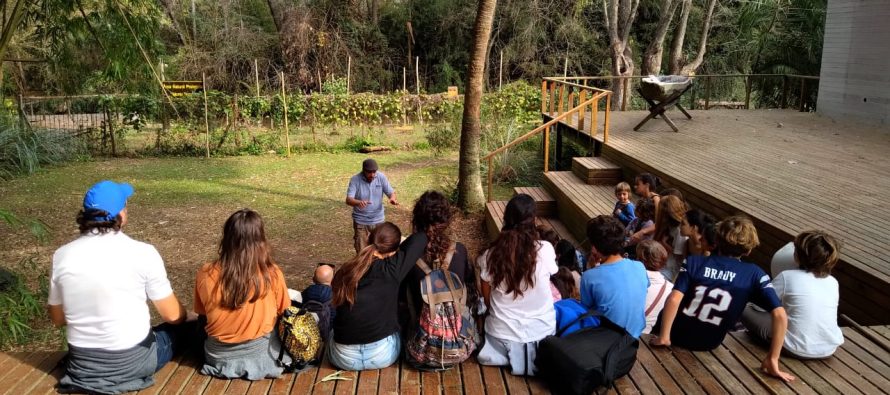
[860, 365]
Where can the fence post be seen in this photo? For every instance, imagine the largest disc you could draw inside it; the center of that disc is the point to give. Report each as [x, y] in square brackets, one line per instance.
[708, 93]
[562, 91]
[748, 92]
[256, 75]
[501, 72]
[546, 149]
[348, 74]
[206, 117]
[784, 103]
[803, 94]
[552, 98]
[606, 121]
[284, 104]
[582, 97]
[543, 95]
[625, 90]
[490, 169]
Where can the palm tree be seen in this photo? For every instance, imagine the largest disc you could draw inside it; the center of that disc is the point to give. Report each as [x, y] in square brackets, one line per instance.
[469, 185]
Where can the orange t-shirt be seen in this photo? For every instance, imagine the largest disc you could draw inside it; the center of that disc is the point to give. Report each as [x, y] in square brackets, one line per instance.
[248, 322]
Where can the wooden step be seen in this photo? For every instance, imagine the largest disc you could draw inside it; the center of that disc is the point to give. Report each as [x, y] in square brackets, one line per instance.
[494, 221]
[544, 202]
[577, 202]
[596, 170]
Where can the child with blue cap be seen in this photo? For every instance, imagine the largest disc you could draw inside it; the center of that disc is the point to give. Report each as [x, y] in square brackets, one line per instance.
[98, 290]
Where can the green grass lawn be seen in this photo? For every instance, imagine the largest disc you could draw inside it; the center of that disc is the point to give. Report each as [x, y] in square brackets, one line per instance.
[180, 205]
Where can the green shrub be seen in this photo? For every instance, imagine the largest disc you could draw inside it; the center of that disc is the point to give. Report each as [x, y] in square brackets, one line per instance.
[443, 137]
[19, 306]
[23, 149]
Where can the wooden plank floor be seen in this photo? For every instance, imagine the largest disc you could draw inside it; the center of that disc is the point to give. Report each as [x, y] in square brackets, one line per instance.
[789, 171]
[859, 366]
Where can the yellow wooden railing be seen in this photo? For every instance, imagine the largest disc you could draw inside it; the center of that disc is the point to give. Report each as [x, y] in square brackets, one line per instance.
[561, 100]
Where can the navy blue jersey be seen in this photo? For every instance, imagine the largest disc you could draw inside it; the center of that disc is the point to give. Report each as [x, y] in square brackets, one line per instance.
[715, 291]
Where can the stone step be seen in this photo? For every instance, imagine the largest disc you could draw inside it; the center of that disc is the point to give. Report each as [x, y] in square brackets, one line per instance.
[596, 170]
[544, 202]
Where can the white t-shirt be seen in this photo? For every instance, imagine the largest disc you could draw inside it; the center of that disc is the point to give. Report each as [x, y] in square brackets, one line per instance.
[102, 282]
[678, 247]
[811, 304]
[656, 282]
[527, 318]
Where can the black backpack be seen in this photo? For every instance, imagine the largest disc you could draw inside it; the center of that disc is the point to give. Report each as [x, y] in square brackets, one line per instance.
[584, 360]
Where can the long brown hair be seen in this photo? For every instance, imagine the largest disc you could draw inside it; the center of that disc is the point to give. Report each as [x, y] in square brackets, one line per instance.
[432, 215]
[512, 255]
[245, 260]
[384, 239]
[671, 212]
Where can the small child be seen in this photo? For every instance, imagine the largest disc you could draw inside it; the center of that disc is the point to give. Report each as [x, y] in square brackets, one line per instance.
[624, 209]
[653, 255]
[321, 293]
[567, 256]
[811, 296]
[637, 229]
[699, 228]
[711, 292]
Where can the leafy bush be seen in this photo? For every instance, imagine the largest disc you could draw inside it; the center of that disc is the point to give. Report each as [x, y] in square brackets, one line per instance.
[19, 306]
[443, 137]
[23, 149]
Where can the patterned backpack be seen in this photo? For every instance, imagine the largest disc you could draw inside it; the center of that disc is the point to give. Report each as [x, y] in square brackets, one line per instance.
[300, 338]
[446, 334]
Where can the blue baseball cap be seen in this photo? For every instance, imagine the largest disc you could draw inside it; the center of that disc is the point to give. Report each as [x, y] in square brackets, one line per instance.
[108, 196]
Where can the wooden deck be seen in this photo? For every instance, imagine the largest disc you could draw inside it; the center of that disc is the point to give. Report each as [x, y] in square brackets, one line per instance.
[859, 366]
[789, 171]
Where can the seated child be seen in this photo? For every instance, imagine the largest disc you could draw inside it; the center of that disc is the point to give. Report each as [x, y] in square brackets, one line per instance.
[669, 217]
[567, 256]
[321, 292]
[624, 209]
[699, 228]
[810, 294]
[617, 286]
[641, 228]
[653, 255]
[711, 292]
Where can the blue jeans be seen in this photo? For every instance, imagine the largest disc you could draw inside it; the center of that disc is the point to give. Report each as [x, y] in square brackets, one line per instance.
[376, 355]
[172, 339]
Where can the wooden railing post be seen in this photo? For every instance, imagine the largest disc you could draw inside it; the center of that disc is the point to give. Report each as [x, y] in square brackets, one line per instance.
[582, 97]
[747, 92]
[625, 93]
[707, 92]
[594, 113]
[784, 102]
[803, 94]
[562, 90]
[543, 96]
[546, 149]
[606, 120]
[490, 169]
[552, 97]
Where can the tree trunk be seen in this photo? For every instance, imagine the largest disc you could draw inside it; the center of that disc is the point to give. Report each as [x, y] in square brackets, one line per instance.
[470, 195]
[654, 52]
[696, 62]
[679, 36]
[168, 9]
[276, 16]
[619, 18]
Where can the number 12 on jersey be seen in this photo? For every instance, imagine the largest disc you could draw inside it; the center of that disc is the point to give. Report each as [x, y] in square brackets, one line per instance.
[718, 302]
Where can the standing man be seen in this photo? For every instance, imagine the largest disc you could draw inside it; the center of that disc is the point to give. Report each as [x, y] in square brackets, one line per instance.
[99, 286]
[365, 195]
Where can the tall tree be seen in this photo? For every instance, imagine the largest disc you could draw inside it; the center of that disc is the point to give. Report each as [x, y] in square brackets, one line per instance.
[619, 18]
[679, 65]
[469, 185]
[655, 50]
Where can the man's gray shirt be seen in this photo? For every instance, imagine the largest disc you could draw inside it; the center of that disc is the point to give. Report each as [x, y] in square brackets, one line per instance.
[360, 189]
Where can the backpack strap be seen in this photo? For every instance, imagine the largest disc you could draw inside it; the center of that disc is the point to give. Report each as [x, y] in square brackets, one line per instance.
[657, 298]
[450, 254]
[423, 266]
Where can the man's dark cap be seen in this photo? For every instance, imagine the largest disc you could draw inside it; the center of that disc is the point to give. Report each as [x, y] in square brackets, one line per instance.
[369, 165]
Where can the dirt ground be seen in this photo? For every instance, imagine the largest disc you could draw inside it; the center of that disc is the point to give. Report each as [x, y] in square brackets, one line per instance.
[176, 209]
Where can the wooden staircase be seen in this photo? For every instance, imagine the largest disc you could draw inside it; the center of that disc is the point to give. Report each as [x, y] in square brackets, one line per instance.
[568, 199]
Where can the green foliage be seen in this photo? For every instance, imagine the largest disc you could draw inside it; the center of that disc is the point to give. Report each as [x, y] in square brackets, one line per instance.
[443, 138]
[19, 306]
[24, 150]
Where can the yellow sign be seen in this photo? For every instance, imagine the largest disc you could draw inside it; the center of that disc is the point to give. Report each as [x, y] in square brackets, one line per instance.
[452, 92]
[179, 88]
